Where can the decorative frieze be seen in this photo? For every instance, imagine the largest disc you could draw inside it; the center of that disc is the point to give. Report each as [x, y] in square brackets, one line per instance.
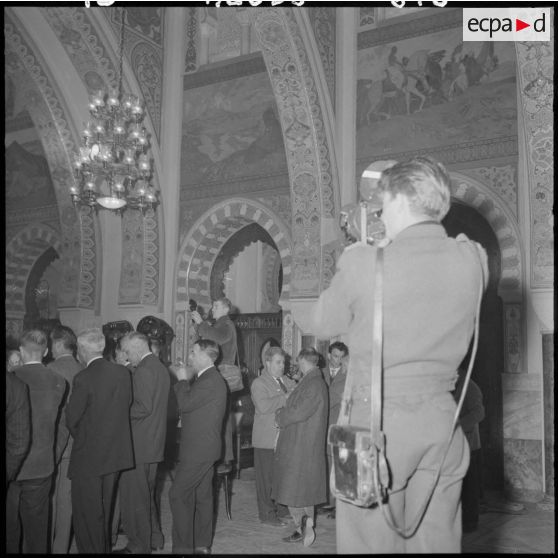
[535, 63]
[513, 342]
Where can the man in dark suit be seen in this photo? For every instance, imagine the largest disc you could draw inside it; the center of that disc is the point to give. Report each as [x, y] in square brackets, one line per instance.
[28, 494]
[202, 404]
[223, 332]
[150, 382]
[98, 416]
[335, 374]
[63, 347]
[18, 424]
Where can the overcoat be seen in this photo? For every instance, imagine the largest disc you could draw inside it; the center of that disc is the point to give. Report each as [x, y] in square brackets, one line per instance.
[299, 469]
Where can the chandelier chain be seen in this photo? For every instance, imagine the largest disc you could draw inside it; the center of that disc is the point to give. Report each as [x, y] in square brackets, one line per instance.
[121, 51]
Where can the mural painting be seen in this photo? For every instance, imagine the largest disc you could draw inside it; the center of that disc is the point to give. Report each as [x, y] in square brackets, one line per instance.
[28, 181]
[231, 130]
[433, 91]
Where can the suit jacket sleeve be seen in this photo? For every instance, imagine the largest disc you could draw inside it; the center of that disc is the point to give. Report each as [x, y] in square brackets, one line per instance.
[192, 397]
[333, 314]
[301, 409]
[220, 332]
[18, 425]
[77, 404]
[265, 402]
[143, 388]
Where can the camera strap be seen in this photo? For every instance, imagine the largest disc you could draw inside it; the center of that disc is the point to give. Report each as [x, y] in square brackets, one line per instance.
[386, 509]
[376, 379]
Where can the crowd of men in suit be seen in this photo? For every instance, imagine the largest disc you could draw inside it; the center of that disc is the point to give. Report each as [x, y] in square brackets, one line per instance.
[83, 426]
[82, 433]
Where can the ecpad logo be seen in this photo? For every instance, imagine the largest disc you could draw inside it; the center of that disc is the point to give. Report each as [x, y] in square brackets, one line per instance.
[506, 24]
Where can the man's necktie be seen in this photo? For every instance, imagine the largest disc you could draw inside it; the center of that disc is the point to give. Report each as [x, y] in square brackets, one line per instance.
[282, 385]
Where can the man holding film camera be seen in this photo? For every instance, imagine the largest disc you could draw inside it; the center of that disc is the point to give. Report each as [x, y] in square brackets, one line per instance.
[431, 286]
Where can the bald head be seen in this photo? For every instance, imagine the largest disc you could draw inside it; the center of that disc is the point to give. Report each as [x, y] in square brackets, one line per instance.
[136, 346]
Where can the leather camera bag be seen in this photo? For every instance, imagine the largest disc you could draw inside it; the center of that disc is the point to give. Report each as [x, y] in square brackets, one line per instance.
[360, 473]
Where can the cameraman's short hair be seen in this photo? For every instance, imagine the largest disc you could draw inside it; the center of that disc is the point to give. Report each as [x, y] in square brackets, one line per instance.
[271, 352]
[66, 336]
[209, 347]
[92, 340]
[340, 346]
[424, 181]
[34, 340]
[310, 355]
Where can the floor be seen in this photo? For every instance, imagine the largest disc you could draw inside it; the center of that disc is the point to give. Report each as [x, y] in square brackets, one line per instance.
[504, 527]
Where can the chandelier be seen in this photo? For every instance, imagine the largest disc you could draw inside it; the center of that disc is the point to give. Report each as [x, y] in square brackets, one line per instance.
[113, 168]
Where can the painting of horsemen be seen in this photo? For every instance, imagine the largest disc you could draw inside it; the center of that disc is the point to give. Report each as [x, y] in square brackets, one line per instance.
[433, 90]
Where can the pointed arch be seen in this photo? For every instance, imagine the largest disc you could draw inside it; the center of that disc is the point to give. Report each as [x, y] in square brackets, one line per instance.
[22, 251]
[497, 213]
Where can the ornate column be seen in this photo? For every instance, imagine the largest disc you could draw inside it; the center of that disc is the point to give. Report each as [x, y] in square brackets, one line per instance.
[171, 138]
[345, 99]
[526, 450]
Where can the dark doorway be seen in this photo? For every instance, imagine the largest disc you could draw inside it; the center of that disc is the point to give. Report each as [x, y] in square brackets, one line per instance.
[489, 363]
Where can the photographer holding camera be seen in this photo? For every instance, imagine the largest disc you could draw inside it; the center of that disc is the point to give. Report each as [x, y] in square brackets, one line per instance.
[431, 287]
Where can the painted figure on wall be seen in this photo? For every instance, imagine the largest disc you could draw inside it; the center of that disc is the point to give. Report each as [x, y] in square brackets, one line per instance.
[448, 91]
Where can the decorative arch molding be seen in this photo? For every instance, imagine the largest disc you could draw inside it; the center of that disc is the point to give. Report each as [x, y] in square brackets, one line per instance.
[307, 132]
[497, 213]
[201, 246]
[22, 251]
[211, 231]
[79, 230]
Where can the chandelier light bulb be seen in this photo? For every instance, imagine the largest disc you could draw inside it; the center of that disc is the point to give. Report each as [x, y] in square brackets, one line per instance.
[144, 164]
[99, 127]
[105, 153]
[98, 98]
[135, 131]
[90, 185]
[129, 156]
[119, 127]
[113, 98]
[87, 130]
[84, 153]
[137, 108]
[127, 101]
